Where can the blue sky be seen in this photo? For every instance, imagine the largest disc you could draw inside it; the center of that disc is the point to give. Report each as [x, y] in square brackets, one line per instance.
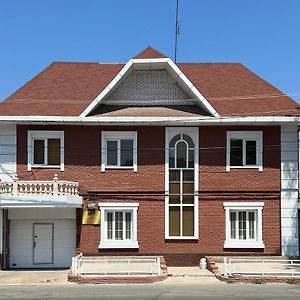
[262, 34]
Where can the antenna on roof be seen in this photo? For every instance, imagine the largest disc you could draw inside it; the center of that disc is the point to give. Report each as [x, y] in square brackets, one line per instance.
[177, 29]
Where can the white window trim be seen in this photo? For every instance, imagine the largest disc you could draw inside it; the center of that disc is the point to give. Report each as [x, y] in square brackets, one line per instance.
[35, 134]
[245, 135]
[251, 206]
[193, 132]
[117, 135]
[113, 244]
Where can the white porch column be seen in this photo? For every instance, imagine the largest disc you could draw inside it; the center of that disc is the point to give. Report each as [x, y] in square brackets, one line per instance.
[289, 190]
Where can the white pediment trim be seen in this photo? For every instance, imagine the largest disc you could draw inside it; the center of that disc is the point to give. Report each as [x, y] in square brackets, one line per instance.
[153, 64]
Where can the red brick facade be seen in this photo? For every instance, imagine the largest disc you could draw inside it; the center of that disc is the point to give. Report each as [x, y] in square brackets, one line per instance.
[146, 186]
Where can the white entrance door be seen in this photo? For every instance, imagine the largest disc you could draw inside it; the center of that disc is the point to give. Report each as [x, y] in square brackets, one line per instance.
[43, 235]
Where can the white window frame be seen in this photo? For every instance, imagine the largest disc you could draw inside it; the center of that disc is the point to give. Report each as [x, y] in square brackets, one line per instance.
[246, 136]
[256, 207]
[117, 136]
[106, 207]
[44, 135]
[193, 132]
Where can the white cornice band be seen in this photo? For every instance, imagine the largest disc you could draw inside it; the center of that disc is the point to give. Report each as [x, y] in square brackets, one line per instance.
[149, 121]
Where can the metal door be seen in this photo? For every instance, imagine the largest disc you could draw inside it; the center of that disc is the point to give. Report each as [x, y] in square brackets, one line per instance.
[43, 234]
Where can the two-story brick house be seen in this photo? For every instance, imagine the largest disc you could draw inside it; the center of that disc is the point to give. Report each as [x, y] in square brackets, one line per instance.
[181, 159]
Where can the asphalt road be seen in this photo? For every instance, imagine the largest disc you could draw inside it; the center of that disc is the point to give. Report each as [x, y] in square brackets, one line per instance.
[153, 291]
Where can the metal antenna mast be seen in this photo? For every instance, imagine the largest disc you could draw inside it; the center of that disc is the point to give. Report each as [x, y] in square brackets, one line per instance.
[177, 28]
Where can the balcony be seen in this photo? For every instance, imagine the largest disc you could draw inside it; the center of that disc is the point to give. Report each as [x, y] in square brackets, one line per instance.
[40, 193]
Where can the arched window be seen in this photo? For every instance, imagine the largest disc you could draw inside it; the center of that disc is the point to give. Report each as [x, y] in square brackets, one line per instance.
[181, 203]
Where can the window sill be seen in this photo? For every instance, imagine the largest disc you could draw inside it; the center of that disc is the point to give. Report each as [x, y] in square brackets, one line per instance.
[228, 168]
[244, 244]
[118, 245]
[46, 167]
[118, 168]
[181, 238]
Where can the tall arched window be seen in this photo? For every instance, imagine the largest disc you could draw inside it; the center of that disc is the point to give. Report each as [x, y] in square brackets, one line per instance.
[181, 198]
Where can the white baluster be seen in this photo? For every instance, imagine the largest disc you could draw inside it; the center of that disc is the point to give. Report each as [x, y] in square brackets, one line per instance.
[15, 185]
[39, 188]
[55, 185]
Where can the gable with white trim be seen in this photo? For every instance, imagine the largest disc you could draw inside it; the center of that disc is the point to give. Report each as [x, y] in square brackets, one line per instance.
[136, 87]
[149, 88]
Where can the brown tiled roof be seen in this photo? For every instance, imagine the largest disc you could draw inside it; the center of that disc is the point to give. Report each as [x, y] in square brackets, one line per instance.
[149, 52]
[66, 89]
[62, 89]
[232, 90]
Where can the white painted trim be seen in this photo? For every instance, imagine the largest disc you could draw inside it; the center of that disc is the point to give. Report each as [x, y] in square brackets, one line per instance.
[118, 245]
[193, 90]
[248, 206]
[152, 64]
[193, 132]
[150, 121]
[32, 201]
[243, 245]
[39, 134]
[242, 205]
[117, 135]
[8, 152]
[118, 206]
[107, 90]
[245, 136]
[289, 190]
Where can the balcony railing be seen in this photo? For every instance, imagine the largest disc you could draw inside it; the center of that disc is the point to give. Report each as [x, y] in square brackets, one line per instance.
[55, 187]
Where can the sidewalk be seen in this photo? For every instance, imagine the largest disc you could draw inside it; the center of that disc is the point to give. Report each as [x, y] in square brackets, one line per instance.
[25, 277]
[177, 275]
[190, 275]
[253, 265]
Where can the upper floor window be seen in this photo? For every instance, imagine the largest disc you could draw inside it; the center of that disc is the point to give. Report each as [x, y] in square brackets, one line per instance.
[182, 185]
[119, 150]
[244, 149]
[45, 149]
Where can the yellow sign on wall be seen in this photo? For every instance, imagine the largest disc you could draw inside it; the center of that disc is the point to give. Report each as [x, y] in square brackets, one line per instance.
[91, 217]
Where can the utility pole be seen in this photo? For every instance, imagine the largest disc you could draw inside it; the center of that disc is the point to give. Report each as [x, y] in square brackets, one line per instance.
[177, 29]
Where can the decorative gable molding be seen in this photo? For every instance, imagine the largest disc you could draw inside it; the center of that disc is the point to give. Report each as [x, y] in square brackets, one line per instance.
[149, 88]
[152, 64]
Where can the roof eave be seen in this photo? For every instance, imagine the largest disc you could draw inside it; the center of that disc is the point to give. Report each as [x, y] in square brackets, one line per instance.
[151, 121]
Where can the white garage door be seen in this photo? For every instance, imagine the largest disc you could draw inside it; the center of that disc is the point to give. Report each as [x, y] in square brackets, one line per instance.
[42, 243]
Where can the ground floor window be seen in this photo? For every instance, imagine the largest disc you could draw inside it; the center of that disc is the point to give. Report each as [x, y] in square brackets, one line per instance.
[243, 224]
[118, 225]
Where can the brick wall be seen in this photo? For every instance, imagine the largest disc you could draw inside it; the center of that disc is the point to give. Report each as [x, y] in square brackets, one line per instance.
[211, 233]
[82, 164]
[82, 161]
[83, 155]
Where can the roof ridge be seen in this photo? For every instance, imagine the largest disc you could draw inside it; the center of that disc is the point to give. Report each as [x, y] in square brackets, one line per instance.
[150, 52]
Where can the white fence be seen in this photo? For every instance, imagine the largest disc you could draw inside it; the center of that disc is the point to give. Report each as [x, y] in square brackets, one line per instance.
[115, 266]
[262, 267]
